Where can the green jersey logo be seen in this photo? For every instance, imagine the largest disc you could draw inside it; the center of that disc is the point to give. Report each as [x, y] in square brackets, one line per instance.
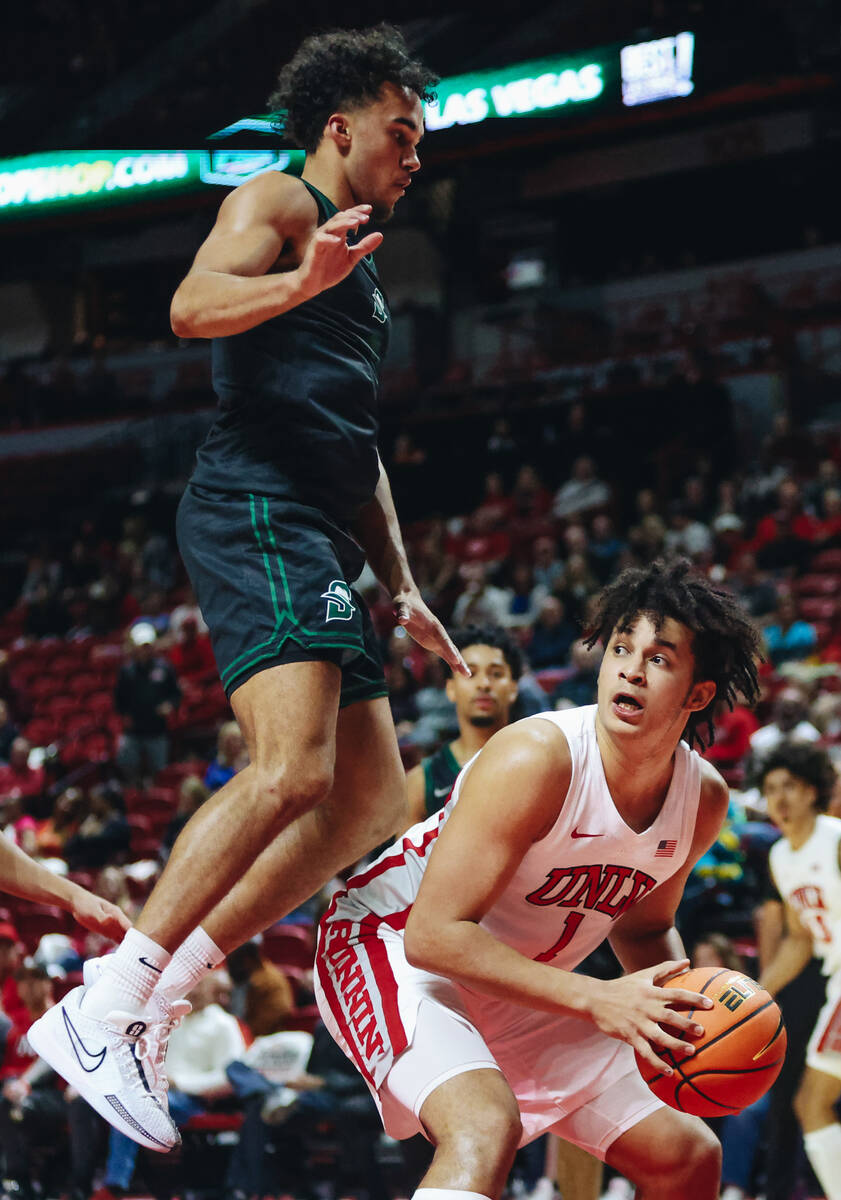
[379, 313]
[340, 606]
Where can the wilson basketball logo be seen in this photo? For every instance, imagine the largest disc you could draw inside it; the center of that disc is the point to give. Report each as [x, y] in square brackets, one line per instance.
[735, 994]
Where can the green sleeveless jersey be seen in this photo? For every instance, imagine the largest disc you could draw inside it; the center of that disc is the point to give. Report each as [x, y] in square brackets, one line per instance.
[439, 775]
[298, 397]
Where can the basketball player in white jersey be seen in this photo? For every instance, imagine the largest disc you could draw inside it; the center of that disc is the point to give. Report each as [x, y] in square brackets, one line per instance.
[445, 970]
[805, 865]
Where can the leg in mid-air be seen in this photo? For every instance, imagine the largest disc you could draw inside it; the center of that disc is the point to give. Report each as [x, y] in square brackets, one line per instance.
[292, 813]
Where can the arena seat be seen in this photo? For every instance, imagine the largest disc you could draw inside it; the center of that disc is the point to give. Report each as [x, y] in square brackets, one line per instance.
[819, 608]
[174, 774]
[32, 921]
[816, 585]
[828, 561]
[289, 945]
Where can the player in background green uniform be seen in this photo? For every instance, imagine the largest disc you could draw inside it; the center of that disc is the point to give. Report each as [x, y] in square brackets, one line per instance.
[288, 498]
[483, 706]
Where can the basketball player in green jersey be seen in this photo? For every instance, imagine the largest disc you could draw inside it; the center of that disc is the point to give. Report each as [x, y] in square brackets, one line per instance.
[483, 705]
[287, 500]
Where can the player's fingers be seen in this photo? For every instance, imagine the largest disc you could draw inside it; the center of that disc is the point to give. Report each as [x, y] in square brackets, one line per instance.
[346, 220]
[367, 245]
[446, 649]
[681, 998]
[647, 1053]
[661, 1037]
[678, 1021]
[665, 970]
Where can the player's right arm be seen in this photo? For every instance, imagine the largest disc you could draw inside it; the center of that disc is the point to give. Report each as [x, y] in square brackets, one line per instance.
[793, 953]
[416, 793]
[22, 876]
[232, 286]
[510, 799]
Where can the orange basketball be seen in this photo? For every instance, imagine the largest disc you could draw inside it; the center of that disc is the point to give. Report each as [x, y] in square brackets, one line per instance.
[739, 1055]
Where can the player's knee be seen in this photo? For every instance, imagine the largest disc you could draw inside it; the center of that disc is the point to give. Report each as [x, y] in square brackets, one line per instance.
[289, 790]
[489, 1141]
[696, 1156]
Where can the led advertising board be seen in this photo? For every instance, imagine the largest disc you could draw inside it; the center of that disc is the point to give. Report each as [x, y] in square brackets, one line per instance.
[41, 183]
[631, 75]
[638, 74]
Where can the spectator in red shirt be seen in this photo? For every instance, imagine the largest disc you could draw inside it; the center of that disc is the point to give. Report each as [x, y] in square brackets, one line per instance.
[733, 731]
[32, 1109]
[192, 654]
[18, 779]
[828, 528]
[10, 1000]
[783, 538]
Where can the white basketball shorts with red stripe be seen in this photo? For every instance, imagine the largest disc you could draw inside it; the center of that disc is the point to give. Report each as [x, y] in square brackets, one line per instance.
[408, 1031]
[824, 1049]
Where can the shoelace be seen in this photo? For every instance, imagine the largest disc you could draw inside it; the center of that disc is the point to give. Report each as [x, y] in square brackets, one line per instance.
[152, 1046]
[125, 1053]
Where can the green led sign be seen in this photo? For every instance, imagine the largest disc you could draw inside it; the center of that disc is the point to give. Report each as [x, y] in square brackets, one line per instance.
[93, 178]
[630, 75]
[545, 85]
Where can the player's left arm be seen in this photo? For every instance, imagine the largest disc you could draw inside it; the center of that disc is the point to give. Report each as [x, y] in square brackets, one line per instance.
[378, 532]
[646, 933]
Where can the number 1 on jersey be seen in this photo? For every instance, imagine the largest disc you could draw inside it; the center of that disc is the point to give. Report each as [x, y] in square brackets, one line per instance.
[573, 920]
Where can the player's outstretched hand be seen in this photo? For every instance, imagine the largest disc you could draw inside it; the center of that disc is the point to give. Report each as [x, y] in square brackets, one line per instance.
[100, 916]
[328, 257]
[634, 1008]
[427, 630]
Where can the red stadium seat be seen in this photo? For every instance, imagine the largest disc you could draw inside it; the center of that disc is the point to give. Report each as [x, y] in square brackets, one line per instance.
[32, 921]
[100, 702]
[42, 731]
[828, 561]
[173, 774]
[304, 1018]
[289, 945]
[146, 845]
[819, 608]
[83, 683]
[817, 585]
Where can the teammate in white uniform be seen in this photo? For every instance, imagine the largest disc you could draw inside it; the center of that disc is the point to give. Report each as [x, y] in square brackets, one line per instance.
[444, 970]
[805, 864]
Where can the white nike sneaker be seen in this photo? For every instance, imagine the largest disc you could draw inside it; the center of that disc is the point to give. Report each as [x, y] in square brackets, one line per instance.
[162, 1016]
[99, 1059]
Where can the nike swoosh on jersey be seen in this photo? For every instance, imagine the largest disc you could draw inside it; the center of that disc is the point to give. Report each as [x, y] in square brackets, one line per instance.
[576, 834]
[77, 1044]
[445, 791]
[151, 966]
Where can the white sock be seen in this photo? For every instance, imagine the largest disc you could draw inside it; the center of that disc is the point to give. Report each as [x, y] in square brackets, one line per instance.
[190, 963]
[823, 1147]
[447, 1194]
[129, 977]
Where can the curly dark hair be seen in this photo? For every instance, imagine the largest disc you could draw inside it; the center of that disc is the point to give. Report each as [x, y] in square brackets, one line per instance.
[344, 67]
[725, 643]
[806, 762]
[490, 635]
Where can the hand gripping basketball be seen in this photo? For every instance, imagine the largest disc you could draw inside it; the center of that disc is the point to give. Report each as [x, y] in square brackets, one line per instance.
[329, 258]
[638, 1010]
[739, 1055]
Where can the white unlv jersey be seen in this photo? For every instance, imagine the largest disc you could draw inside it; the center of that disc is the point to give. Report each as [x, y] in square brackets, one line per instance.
[809, 879]
[571, 885]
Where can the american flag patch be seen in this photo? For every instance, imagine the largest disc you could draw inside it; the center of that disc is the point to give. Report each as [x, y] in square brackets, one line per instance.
[665, 849]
